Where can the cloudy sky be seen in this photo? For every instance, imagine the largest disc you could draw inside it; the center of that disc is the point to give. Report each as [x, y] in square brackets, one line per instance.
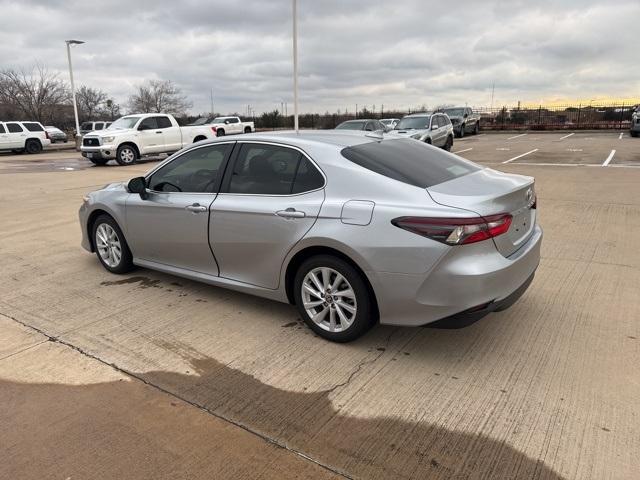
[397, 53]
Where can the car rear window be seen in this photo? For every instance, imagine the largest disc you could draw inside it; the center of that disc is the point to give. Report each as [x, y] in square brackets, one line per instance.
[409, 161]
[33, 127]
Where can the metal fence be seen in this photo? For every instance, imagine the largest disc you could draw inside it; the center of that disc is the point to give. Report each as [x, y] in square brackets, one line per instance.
[540, 117]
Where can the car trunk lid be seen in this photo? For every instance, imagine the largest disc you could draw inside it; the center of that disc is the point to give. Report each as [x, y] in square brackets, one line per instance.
[489, 192]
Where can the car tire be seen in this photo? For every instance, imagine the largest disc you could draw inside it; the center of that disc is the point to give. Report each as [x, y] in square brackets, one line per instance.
[351, 313]
[99, 161]
[33, 147]
[126, 155]
[247, 129]
[633, 133]
[110, 245]
[428, 141]
[476, 128]
[448, 144]
[220, 132]
[461, 134]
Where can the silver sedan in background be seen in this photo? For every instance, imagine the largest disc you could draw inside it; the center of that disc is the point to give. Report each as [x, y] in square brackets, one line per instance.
[351, 228]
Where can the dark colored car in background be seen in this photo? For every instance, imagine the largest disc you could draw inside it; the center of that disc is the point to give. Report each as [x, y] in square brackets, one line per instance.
[464, 120]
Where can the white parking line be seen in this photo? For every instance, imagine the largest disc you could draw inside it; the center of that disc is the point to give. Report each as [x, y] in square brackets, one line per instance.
[621, 134]
[465, 150]
[516, 136]
[609, 158]
[520, 156]
[566, 136]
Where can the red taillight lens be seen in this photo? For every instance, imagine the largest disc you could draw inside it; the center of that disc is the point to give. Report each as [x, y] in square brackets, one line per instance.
[47, 135]
[456, 231]
[214, 129]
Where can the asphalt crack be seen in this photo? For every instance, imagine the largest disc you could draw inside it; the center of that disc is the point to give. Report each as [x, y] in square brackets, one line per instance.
[273, 441]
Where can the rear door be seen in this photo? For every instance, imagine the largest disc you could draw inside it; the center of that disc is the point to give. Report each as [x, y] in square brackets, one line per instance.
[171, 226]
[271, 197]
[150, 137]
[16, 135]
[171, 135]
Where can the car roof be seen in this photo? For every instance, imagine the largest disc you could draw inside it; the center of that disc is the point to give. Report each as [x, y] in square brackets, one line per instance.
[421, 114]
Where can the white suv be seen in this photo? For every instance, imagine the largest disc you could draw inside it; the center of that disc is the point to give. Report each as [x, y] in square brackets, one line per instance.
[30, 137]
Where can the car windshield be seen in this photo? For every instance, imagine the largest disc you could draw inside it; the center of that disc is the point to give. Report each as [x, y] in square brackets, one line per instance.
[409, 162]
[413, 122]
[386, 122]
[123, 123]
[454, 112]
[351, 125]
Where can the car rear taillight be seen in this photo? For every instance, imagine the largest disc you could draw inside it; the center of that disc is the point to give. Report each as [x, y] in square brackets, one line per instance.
[214, 129]
[456, 231]
[46, 135]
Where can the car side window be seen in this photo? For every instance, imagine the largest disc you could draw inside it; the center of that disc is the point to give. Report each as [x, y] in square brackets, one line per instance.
[307, 178]
[2, 130]
[442, 121]
[32, 127]
[196, 171]
[163, 122]
[234, 120]
[148, 123]
[14, 127]
[264, 170]
[99, 126]
[369, 127]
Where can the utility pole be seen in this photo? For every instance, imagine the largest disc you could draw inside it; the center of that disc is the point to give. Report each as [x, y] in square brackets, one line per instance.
[212, 102]
[295, 64]
[73, 88]
[493, 90]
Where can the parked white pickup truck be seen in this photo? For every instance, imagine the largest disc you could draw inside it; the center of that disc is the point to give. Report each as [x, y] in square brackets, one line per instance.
[30, 137]
[230, 126]
[134, 136]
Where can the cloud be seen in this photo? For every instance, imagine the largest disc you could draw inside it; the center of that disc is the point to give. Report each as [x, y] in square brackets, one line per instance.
[402, 53]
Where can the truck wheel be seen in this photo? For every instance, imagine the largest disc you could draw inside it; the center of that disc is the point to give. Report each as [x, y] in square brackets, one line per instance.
[448, 144]
[247, 129]
[126, 155]
[633, 133]
[476, 128]
[220, 132]
[33, 146]
[462, 127]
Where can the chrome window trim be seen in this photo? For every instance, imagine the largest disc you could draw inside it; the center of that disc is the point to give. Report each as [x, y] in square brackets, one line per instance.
[276, 144]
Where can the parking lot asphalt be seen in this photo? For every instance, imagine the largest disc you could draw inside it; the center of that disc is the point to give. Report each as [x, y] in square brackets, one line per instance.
[153, 376]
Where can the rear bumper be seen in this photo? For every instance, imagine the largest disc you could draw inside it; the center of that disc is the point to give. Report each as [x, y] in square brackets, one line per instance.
[470, 280]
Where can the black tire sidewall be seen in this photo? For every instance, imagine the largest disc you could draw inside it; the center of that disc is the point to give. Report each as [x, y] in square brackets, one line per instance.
[119, 151]
[220, 133]
[32, 147]
[126, 260]
[365, 315]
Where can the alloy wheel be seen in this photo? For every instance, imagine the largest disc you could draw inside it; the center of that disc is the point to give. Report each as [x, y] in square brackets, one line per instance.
[108, 245]
[127, 155]
[329, 299]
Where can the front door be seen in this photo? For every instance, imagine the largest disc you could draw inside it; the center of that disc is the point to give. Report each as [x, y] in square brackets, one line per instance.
[271, 197]
[171, 226]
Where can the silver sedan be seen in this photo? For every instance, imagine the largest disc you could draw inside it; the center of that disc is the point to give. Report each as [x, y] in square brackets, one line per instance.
[351, 228]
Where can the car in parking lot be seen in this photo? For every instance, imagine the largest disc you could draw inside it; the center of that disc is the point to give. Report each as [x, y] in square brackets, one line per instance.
[133, 136]
[634, 130]
[87, 127]
[464, 120]
[349, 227]
[55, 134]
[29, 137]
[429, 127]
[365, 124]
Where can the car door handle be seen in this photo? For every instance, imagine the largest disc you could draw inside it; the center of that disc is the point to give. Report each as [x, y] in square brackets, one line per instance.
[196, 208]
[159, 132]
[290, 213]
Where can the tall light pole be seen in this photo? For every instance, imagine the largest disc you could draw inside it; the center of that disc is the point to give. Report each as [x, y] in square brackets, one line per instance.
[295, 65]
[73, 88]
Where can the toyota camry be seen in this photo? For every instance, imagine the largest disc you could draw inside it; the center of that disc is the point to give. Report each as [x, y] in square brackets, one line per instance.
[351, 228]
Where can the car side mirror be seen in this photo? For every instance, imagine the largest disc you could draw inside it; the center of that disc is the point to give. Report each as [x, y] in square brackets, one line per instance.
[434, 127]
[138, 185]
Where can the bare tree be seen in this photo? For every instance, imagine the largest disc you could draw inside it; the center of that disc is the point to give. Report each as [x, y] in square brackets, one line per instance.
[37, 94]
[159, 96]
[91, 102]
[112, 109]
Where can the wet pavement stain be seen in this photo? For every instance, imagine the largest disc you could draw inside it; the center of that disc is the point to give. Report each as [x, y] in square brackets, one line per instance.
[145, 282]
